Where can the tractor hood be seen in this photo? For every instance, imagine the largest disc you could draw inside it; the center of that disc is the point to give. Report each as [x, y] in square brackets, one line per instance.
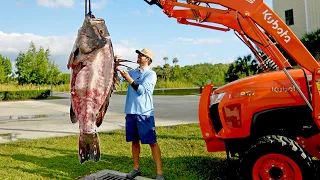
[265, 78]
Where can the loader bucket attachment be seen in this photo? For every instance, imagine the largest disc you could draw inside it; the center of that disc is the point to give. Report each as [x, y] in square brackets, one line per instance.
[208, 133]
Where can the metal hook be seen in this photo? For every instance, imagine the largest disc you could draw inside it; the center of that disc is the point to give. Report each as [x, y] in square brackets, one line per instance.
[90, 8]
[86, 4]
[85, 7]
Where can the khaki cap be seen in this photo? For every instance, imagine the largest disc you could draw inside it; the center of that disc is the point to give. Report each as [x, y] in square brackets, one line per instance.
[147, 52]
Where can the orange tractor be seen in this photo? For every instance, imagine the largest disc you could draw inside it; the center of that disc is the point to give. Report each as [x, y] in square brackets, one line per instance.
[271, 120]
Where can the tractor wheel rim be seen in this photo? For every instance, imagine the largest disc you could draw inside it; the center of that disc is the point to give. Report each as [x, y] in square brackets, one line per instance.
[276, 167]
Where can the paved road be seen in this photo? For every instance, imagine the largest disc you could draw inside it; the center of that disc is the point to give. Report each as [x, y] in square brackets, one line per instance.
[45, 118]
[177, 108]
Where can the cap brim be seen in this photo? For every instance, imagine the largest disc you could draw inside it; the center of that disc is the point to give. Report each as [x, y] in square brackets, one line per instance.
[138, 52]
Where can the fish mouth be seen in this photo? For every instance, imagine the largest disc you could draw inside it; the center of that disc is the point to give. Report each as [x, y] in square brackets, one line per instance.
[84, 35]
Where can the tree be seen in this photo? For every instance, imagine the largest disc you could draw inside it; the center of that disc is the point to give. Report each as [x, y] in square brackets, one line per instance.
[166, 71]
[159, 71]
[2, 75]
[165, 60]
[231, 74]
[36, 67]
[175, 61]
[54, 75]
[40, 67]
[63, 78]
[242, 67]
[6, 68]
[243, 64]
[255, 67]
[24, 68]
[312, 42]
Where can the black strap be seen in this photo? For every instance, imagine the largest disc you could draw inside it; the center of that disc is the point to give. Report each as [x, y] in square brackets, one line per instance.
[135, 85]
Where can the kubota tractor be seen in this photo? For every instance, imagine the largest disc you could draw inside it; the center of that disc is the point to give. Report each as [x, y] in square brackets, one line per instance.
[270, 120]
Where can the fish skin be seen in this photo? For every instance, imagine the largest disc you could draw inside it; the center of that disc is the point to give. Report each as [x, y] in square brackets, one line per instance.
[93, 80]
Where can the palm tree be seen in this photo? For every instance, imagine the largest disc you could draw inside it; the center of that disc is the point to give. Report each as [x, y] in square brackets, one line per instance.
[165, 60]
[175, 61]
[231, 74]
[243, 64]
[255, 68]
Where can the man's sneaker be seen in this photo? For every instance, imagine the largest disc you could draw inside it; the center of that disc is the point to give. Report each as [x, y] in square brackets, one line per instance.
[133, 173]
[160, 177]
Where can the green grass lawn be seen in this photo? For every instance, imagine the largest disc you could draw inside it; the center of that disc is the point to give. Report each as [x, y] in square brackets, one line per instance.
[183, 152]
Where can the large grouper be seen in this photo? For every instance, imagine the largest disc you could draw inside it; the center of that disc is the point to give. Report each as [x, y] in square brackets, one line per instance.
[93, 78]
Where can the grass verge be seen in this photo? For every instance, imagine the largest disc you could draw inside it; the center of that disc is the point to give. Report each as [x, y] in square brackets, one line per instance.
[183, 152]
[16, 87]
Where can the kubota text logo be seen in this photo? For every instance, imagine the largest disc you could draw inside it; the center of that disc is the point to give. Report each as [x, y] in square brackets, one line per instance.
[283, 89]
[275, 25]
[251, 1]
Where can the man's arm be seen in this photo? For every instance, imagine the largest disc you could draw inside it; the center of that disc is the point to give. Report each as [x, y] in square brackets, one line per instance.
[148, 83]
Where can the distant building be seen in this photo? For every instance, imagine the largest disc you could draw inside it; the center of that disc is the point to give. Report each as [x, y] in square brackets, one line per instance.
[302, 16]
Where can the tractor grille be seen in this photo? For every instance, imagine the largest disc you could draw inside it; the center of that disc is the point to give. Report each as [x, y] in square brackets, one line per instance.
[110, 176]
[215, 117]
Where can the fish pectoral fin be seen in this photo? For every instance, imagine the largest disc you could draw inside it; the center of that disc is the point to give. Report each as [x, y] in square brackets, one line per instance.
[73, 116]
[102, 112]
[89, 147]
[70, 61]
[103, 109]
[72, 58]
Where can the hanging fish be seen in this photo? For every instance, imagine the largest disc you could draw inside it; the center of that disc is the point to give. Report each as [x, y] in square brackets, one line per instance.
[93, 80]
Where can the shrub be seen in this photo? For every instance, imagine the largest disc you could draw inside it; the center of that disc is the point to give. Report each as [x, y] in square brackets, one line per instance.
[23, 95]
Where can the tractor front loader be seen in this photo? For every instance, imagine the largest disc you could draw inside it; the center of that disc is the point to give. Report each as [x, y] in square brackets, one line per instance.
[269, 120]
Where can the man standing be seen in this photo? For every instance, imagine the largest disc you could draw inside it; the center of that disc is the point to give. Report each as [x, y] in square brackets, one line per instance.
[140, 124]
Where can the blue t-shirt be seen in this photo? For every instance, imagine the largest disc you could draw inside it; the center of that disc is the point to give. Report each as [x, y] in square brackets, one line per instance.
[141, 101]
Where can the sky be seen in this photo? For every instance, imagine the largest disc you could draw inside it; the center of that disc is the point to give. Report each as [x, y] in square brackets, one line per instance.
[133, 24]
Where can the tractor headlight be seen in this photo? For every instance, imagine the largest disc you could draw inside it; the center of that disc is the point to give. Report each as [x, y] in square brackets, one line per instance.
[216, 98]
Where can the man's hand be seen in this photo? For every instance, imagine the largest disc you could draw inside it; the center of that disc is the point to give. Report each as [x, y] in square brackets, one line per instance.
[126, 76]
[116, 57]
[123, 73]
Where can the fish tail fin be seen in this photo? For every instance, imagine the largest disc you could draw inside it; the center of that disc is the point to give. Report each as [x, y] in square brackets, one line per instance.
[89, 147]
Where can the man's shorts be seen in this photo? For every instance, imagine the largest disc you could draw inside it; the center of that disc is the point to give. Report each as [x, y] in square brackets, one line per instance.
[140, 127]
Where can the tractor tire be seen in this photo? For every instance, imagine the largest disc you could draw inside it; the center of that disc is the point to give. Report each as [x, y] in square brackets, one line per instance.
[276, 157]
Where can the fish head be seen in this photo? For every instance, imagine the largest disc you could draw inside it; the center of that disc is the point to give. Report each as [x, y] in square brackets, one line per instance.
[92, 35]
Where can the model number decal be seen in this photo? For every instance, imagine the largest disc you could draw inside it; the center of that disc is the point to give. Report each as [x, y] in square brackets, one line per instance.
[275, 25]
[241, 94]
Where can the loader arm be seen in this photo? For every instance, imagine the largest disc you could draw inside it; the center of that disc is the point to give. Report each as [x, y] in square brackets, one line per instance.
[257, 24]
